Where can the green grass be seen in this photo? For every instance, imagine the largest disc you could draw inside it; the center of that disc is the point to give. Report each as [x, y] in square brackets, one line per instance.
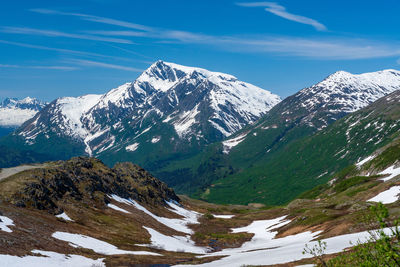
[315, 192]
[350, 182]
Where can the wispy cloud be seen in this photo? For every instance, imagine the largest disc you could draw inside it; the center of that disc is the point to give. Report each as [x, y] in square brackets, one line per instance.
[281, 11]
[119, 33]
[91, 63]
[69, 51]
[41, 67]
[50, 33]
[92, 18]
[315, 48]
[328, 48]
[129, 51]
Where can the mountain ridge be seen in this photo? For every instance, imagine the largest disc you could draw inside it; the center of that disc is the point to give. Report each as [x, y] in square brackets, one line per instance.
[14, 112]
[194, 106]
[290, 120]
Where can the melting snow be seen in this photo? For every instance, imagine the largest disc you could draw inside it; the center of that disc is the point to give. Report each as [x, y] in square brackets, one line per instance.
[185, 121]
[50, 259]
[173, 243]
[229, 144]
[391, 171]
[189, 217]
[98, 246]
[388, 196]
[359, 164]
[265, 249]
[114, 207]
[4, 223]
[155, 139]
[132, 147]
[64, 216]
[223, 216]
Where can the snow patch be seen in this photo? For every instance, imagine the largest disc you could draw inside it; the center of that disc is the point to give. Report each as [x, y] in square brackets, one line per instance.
[155, 139]
[185, 121]
[391, 171]
[223, 216]
[98, 246]
[50, 259]
[229, 144]
[132, 147]
[173, 243]
[114, 207]
[265, 249]
[180, 225]
[388, 196]
[4, 223]
[64, 216]
[362, 162]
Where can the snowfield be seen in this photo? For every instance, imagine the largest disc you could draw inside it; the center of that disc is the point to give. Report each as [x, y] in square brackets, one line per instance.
[180, 225]
[173, 243]
[388, 196]
[98, 246]
[49, 259]
[265, 249]
[391, 171]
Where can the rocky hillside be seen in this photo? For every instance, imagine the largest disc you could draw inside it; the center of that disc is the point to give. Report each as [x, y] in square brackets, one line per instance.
[85, 180]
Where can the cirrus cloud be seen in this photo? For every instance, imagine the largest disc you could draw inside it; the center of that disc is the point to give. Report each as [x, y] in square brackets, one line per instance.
[281, 11]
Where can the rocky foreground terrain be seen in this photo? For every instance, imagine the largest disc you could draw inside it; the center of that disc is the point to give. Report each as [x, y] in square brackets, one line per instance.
[82, 213]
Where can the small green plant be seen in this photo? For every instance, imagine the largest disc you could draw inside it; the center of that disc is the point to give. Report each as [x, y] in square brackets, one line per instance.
[381, 249]
[208, 216]
[317, 251]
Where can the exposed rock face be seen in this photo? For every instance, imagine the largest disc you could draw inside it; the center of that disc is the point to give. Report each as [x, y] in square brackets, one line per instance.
[86, 180]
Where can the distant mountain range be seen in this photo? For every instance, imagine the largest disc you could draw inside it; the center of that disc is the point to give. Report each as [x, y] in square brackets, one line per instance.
[207, 133]
[14, 112]
[169, 110]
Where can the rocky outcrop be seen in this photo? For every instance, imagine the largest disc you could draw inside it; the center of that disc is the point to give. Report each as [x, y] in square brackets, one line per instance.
[86, 180]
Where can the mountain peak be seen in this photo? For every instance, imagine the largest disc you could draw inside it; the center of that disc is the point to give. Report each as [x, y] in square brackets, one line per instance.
[372, 76]
[344, 92]
[168, 95]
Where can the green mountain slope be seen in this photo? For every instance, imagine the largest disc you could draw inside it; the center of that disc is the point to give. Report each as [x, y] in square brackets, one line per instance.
[309, 161]
[275, 172]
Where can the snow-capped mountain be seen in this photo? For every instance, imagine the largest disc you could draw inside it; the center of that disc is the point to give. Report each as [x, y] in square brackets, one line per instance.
[343, 92]
[14, 112]
[314, 108]
[180, 104]
[273, 151]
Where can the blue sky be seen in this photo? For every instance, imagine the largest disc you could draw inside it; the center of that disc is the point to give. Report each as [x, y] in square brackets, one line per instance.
[50, 49]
